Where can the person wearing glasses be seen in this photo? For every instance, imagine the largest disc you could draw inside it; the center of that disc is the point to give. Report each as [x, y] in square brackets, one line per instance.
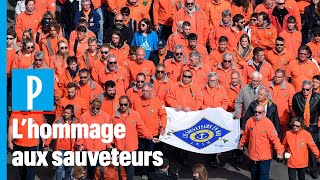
[197, 17]
[24, 58]
[58, 62]
[217, 53]
[91, 55]
[258, 63]
[175, 64]
[87, 88]
[280, 56]
[265, 34]
[252, 23]
[161, 82]
[112, 71]
[193, 45]
[314, 44]
[118, 25]
[225, 68]
[222, 28]
[38, 62]
[145, 37]
[118, 46]
[101, 62]
[93, 116]
[237, 29]
[261, 137]
[162, 54]
[306, 104]
[185, 95]
[127, 21]
[292, 34]
[199, 70]
[270, 107]
[135, 128]
[136, 90]
[303, 68]
[298, 142]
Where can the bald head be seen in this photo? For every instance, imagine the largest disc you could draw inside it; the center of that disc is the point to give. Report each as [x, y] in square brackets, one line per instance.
[118, 21]
[140, 53]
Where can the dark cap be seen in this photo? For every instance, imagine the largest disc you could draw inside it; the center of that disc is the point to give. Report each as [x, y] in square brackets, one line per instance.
[162, 43]
[45, 21]
[316, 30]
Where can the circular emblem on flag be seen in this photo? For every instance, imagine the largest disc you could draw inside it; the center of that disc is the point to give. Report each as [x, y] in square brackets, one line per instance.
[202, 135]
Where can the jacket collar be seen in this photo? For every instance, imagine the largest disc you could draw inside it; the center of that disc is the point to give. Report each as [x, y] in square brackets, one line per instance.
[118, 113]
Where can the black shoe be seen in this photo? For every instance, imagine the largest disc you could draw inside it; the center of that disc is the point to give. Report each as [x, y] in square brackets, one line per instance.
[314, 175]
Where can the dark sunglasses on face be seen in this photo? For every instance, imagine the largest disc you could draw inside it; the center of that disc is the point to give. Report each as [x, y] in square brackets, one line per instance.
[9, 38]
[38, 59]
[123, 105]
[242, 22]
[125, 14]
[104, 52]
[119, 20]
[280, 3]
[96, 108]
[162, 72]
[316, 35]
[83, 77]
[140, 81]
[189, 4]
[259, 112]
[227, 61]
[280, 44]
[185, 76]
[304, 89]
[178, 54]
[30, 47]
[112, 62]
[253, 19]
[64, 47]
[143, 25]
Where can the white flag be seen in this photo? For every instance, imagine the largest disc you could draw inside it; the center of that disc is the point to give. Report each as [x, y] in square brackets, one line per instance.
[209, 131]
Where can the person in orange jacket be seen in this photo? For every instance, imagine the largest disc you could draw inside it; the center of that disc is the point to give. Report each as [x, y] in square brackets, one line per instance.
[135, 128]
[185, 95]
[24, 58]
[112, 71]
[233, 89]
[163, 13]
[199, 24]
[11, 51]
[80, 105]
[292, 34]
[27, 19]
[87, 88]
[174, 65]
[243, 51]
[221, 28]
[225, 68]
[298, 142]
[216, 54]
[141, 65]
[214, 10]
[243, 7]
[193, 45]
[258, 63]
[199, 70]
[45, 5]
[49, 45]
[25, 144]
[179, 38]
[265, 34]
[314, 44]
[74, 33]
[261, 134]
[64, 144]
[58, 62]
[279, 57]
[302, 68]
[71, 74]
[137, 10]
[80, 44]
[91, 55]
[93, 116]
[118, 47]
[214, 95]
[101, 63]
[109, 98]
[154, 116]
[161, 82]
[282, 93]
[136, 90]
[266, 6]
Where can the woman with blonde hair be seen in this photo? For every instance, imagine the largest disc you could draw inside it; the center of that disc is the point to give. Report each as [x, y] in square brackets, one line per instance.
[199, 172]
[59, 61]
[243, 51]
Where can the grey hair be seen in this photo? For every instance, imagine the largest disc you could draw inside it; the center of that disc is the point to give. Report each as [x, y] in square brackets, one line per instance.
[226, 13]
[111, 56]
[306, 82]
[38, 55]
[266, 90]
[178, 46]
[256, 74]
[227, 55]
[212, 74]
[195, 54]
[147, 84]
[180, 23]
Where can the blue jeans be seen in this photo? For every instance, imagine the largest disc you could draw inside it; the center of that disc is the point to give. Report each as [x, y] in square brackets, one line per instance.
[260, 170]
[100, 11]
[60, 169]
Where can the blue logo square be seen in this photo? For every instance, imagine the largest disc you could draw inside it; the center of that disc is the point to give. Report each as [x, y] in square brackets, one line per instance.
[202, 134]
[32, 89]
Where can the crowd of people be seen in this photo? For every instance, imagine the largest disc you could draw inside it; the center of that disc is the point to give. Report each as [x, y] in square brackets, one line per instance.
[123, 61]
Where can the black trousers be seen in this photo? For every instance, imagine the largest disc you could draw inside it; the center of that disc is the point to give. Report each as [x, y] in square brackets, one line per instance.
[314, 131]
[293, 171]
[26, 172]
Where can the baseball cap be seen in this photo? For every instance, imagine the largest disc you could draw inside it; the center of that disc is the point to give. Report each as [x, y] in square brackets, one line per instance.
[162, 43]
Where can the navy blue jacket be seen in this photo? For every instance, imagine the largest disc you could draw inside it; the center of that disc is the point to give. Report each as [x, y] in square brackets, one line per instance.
[93, 18]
